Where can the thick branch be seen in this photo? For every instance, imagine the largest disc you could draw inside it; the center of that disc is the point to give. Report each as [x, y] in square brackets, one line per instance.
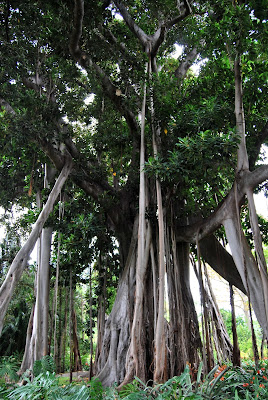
[81, 169]
[253, 179]
[151, 43]
[206, 226]
[183, 14]
[138, 32]
[94, 187]
[186, 63]
[52, 152]
[85, 61]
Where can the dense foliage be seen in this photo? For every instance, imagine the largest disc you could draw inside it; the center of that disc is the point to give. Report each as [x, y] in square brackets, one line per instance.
[223, 382]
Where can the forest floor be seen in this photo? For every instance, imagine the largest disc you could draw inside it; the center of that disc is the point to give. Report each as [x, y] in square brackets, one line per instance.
[76, 376]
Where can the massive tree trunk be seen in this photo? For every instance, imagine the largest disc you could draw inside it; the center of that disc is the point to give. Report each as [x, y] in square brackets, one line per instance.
[111, 365]
[181, 329]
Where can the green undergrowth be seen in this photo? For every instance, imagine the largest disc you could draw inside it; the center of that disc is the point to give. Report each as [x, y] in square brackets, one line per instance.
[223, 382]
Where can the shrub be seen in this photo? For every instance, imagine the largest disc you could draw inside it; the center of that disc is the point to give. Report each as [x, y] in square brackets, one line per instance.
[8, 369]
[46, 364]
[46, 386]
[222, 383]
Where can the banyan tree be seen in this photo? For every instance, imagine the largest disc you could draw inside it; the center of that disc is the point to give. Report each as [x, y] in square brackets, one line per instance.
[165, 143]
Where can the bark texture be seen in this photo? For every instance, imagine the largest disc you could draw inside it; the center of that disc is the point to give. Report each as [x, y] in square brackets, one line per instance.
[20, 261]
[248, 268]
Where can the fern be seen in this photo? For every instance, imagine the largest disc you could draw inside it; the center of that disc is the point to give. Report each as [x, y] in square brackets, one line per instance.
[111, 393]
[3, 393]
[46, 364]
[8, 369]
[96, 390]
[46, 386]
[133, 387]
[42, 387]
[76, 393]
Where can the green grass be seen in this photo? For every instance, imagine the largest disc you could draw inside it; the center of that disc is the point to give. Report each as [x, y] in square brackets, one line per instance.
[64, 380]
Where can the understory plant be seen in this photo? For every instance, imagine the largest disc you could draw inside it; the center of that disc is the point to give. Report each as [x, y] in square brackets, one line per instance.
[46, 386]
[46, 364]
[222, 383]
[8, 369]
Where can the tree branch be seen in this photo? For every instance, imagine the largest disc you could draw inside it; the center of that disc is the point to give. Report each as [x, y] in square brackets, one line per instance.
[186, 63]
[255, 178]
[260, 139]
[206, 226]
[109, 36]
[151, 43]
[6, 106]
[138, 32]
[85, 61]
[77, 29]
[186, 11]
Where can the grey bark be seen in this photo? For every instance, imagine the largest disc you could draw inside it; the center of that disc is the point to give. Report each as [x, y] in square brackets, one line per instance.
[42, 296]
[186, 63]
[37, 347]
[183, 338]
[111, 363]
[248, 268]
[20, 261]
